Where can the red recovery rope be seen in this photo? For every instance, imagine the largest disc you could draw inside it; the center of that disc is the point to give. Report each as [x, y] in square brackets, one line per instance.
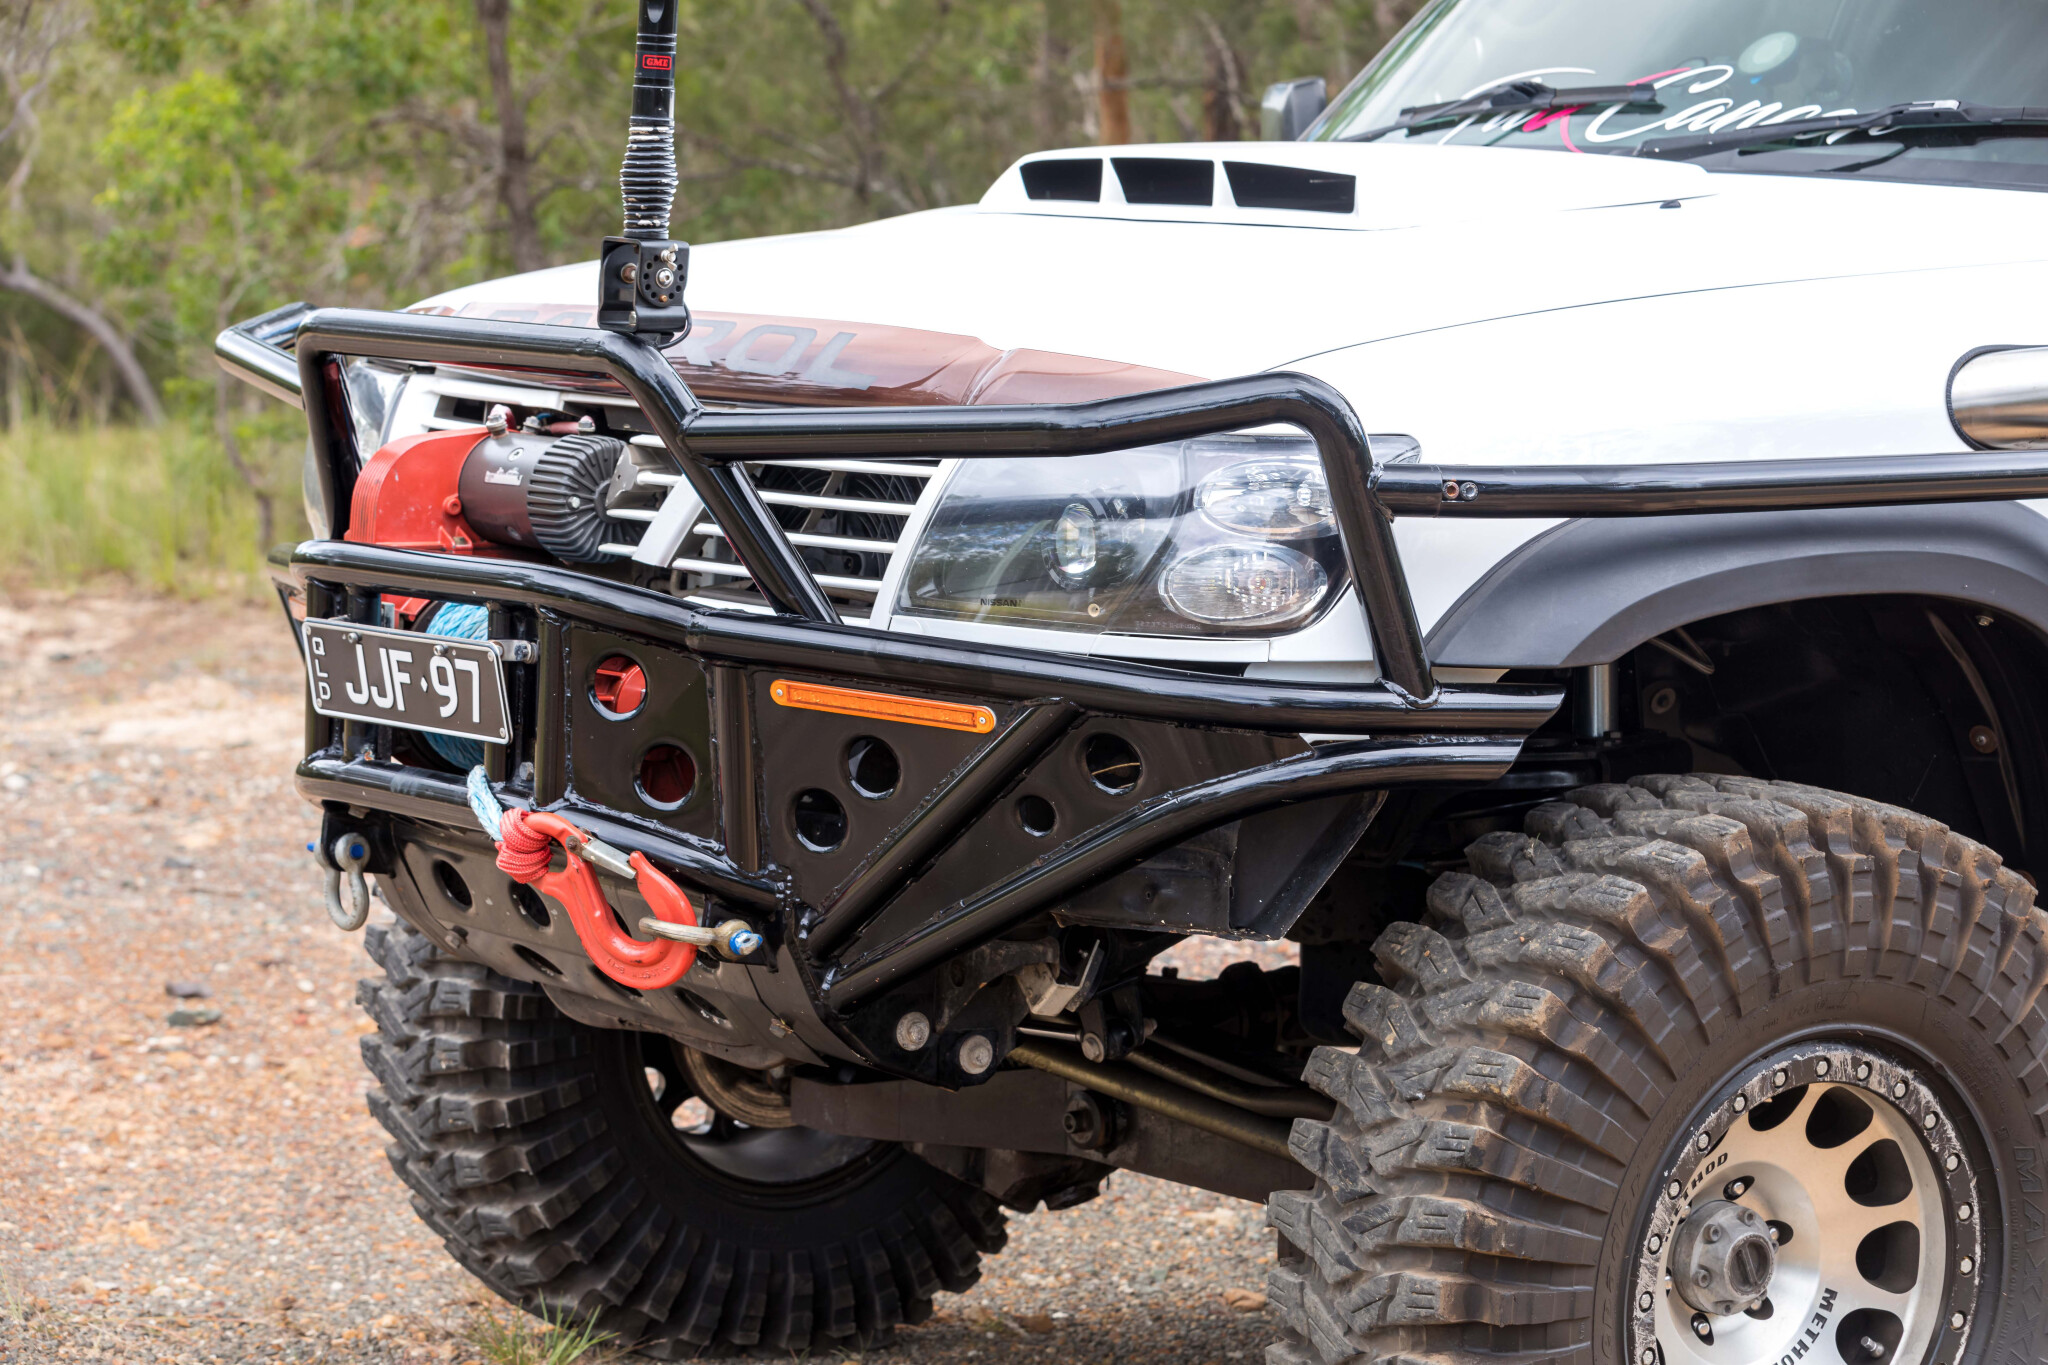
[524, 854]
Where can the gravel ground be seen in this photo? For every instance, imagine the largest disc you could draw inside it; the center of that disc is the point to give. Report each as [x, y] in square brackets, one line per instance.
[218, 1193]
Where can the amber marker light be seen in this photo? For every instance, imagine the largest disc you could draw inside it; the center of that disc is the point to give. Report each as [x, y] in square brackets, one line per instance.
[846, 701]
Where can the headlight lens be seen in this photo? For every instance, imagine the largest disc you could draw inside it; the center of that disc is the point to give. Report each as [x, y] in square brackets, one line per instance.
[1228, 584]
[1223, 535]
[373, 389]
[1278, 499]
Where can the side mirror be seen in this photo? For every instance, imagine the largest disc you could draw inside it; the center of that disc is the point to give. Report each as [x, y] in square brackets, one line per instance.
[1290, 107]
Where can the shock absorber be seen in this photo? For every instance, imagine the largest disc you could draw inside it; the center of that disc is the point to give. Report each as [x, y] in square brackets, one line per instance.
[642, 272]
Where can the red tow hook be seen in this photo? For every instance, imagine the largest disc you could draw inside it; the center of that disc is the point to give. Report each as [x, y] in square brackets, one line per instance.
[524, 855]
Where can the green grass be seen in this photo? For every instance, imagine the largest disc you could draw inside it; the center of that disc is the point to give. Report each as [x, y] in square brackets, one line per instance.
[160, 507]
[554, 1341]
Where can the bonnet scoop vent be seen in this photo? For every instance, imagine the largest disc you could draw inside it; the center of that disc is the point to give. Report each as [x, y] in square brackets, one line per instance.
[1342, 186]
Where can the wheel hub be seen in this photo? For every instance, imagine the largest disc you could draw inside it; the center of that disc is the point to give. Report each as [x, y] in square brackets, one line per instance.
[1823, 1209]
[1722, 1258]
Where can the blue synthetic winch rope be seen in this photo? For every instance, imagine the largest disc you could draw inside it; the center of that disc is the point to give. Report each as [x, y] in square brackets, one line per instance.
[484, 802]
[459, 621]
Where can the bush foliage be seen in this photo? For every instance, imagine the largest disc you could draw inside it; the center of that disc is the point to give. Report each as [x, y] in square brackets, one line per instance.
[174, 165]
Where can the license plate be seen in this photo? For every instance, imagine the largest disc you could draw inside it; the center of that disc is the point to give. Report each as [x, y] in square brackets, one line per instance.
[403, 678]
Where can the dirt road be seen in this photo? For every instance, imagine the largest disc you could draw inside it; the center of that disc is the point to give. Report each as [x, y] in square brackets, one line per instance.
[218, 1193]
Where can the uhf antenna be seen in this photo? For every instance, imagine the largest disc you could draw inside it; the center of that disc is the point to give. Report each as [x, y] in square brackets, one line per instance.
[642, 273]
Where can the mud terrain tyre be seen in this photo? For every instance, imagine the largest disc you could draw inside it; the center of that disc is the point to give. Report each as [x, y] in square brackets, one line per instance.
[537, 1149]
[1612, 1001]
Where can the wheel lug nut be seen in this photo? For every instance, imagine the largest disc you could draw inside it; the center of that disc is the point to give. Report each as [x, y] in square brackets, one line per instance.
[1874, 1348]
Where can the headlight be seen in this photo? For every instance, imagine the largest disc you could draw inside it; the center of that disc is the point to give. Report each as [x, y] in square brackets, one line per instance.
[373, 387]
[1223, 535]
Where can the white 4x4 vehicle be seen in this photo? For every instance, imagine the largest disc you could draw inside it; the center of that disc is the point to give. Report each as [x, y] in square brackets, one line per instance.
[1553, 539]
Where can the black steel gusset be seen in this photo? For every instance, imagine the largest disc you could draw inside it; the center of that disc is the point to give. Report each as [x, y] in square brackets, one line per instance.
[946, 812]
[1331, 770]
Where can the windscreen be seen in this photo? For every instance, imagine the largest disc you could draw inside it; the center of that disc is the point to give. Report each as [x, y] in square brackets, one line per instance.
[1710, 65]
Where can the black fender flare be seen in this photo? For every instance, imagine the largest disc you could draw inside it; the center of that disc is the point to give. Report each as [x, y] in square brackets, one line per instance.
[1591, 590]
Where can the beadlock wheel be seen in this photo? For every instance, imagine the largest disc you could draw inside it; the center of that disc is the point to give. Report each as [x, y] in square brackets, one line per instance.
[1864, 1184]
[1808, 1024]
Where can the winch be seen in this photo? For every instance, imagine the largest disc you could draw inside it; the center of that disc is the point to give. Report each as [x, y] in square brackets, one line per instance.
[485, 490]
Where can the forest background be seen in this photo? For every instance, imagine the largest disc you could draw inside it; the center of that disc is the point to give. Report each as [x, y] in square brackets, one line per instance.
[171, 166]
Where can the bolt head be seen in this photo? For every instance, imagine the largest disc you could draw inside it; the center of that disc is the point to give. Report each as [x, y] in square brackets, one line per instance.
[1781, 1077]
[1710, 1234]
[629, 272]
[1705, 1141]
[1821, 1067]
[977, 1054]
[1863, 1071]
[1956, 1320]
[1674, 1189]
[1741, 1103]
[1701, 1327]
[1092, 1047]
[1963, 1213]
[1952, 1162]
[1656, 1245]
[664, 279]
[1898, 1090]
[1649, 1355]
[1647, 1301]
[913, 1031]
[1969, 1266]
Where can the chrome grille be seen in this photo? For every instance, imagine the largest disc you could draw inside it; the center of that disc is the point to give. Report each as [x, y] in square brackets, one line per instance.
[847, 519]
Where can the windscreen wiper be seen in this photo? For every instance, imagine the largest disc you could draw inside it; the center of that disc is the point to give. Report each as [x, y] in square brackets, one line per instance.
[1508, 96]
[1920, 118]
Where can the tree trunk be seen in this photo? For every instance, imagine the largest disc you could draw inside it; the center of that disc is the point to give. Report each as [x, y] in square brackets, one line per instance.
[224, 427]
[17, 378]
[1112, 73]
[1220, 121]
[24, 281]
[515, 160]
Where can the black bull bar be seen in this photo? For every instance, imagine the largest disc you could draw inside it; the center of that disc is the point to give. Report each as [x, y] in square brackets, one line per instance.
[1407, 729]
